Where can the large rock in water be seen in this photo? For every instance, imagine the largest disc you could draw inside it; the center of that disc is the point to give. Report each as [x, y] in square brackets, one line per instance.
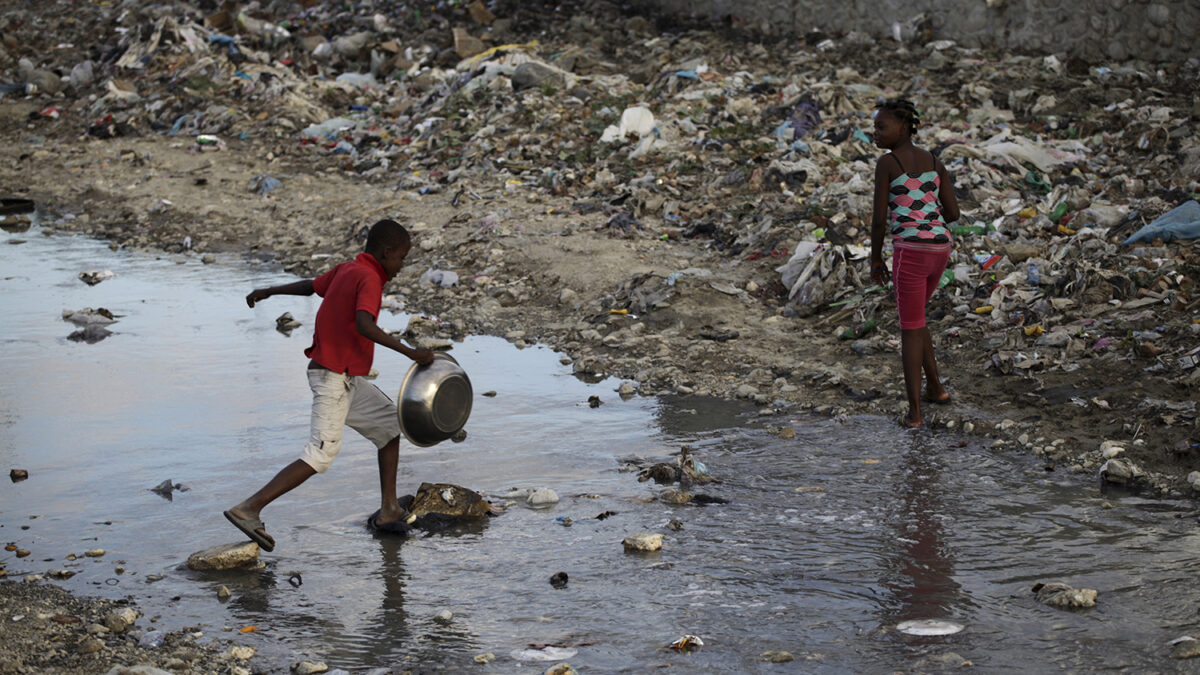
[445, 499]
[646, 541]
[1060, 595]
[225, 556]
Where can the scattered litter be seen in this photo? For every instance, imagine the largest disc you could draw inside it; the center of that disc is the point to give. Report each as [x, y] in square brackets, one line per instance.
[687, 643]
[928, 627]
[547, 653]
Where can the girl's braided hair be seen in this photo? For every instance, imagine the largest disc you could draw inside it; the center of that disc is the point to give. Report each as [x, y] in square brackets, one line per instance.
[904, 110]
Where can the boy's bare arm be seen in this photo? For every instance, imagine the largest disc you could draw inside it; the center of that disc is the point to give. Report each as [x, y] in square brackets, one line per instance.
[365, 323]
[302, 287]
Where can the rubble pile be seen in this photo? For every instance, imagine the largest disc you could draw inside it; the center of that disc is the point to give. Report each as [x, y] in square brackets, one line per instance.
[662, 202]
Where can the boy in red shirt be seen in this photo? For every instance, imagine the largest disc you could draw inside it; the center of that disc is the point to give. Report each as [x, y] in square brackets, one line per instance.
[343, 346]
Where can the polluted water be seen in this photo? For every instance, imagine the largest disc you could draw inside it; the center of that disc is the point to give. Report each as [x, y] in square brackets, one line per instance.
[845, 544]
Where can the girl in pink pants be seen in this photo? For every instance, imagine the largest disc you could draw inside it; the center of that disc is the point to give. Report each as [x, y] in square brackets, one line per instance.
[914, 198]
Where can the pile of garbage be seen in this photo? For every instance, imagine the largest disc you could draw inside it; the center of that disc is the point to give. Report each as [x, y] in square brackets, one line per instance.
[1077, 181]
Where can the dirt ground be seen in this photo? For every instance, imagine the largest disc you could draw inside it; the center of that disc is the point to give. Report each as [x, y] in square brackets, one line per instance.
[543, 249]
[665, 303]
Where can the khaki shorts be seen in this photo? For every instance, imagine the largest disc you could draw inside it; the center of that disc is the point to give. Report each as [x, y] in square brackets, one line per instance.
[341, 401]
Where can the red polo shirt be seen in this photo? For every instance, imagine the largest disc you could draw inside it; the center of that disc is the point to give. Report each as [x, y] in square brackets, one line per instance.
[347, 288]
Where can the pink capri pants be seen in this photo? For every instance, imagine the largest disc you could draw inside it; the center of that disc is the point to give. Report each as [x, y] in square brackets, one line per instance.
[916, 271]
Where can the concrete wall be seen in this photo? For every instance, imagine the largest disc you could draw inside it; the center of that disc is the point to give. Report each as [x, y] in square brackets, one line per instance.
[1094, 30]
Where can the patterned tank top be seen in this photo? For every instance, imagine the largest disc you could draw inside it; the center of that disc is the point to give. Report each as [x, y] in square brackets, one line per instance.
[916, 212]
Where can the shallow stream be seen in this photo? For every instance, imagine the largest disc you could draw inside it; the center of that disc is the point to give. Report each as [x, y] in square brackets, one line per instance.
[829, 541]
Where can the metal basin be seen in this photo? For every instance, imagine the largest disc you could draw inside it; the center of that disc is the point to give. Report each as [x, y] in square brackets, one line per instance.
[434, 401]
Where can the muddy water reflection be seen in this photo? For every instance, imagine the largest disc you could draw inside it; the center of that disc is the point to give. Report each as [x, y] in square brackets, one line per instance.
[831, 539]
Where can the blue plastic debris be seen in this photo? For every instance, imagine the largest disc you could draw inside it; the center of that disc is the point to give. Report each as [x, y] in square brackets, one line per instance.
[264, 184]
[226, 41]
[1181, 222]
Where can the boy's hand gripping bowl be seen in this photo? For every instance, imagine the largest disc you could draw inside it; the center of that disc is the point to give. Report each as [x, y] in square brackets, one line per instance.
[434, 401]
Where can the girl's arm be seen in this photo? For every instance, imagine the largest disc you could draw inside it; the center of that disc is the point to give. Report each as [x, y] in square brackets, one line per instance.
[946, 195]
[879, 211]
[302, 287]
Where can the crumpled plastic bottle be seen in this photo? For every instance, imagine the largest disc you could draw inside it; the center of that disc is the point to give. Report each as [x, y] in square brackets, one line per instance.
[151, 639]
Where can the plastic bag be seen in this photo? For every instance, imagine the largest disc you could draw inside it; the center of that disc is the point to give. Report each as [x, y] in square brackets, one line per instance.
[1181, 222]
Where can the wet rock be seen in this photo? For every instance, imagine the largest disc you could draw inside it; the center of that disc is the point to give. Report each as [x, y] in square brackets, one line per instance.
[1186, 647]
[661, 473]
[484, 658]
[444, 617]
[675, 496]
[242, 653]
[225, 557]
[777, 656]
[1120, 472]
[120, 620]
[560, 669]
[223, 593]
[675, 525]
[18, 475]
[1062, 596]
[542, 497]
[167, 488]
[94, 553]
[445, 499]
[559, 579]
[90, 334]
[286, 323]
[138, 670]
[646, 541]
[88, 316]
[93, 277]
[309, 667]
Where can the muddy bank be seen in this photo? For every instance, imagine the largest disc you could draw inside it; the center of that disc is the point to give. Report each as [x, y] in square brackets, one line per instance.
[653, 257]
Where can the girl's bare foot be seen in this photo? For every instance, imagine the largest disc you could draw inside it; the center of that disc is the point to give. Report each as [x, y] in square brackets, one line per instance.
[940, 396]
[908, 423]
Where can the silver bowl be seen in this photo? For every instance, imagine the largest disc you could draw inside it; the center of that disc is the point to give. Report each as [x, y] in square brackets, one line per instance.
[434, 401]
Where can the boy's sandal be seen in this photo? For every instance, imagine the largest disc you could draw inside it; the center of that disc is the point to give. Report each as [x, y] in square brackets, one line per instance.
[254, 529]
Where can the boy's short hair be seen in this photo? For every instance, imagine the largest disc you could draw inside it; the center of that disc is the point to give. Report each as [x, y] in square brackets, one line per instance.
[387, 234]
